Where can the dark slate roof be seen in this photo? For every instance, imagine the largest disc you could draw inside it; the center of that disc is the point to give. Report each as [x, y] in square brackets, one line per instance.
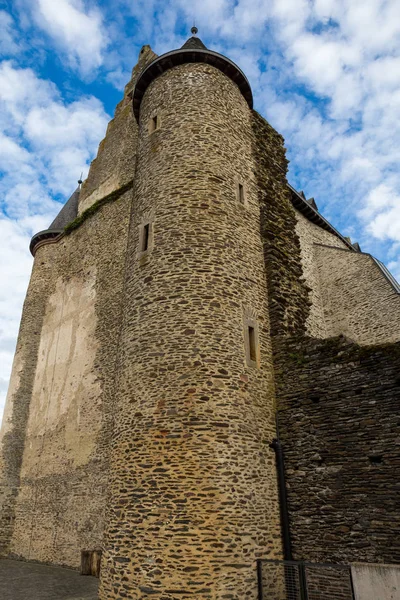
[196, 53]
[68, 213]
[194, 43]
[309, 210]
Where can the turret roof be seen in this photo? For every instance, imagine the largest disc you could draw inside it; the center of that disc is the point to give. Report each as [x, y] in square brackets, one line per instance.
[192, 51]
[67, 214]
[194, 43]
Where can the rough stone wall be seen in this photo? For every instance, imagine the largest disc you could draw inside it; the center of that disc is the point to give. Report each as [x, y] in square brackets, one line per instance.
[12, 434]
[115, 163]
[146, 56]
[338, 406]
[193, 490]
[311, 234]
[359, 302]
[77, 284]
[288, 292]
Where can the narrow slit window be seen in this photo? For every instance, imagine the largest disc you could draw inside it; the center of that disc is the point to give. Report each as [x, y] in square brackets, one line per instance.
[154, 123]
[145, 239]
[241, 193]
[252, 343]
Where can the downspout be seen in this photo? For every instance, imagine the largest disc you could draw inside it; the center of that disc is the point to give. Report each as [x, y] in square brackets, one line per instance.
[280, 467]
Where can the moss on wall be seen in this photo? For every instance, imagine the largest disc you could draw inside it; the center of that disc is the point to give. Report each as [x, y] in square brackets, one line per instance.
[92, 210]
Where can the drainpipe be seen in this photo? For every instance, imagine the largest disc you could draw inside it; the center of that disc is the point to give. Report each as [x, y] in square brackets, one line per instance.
[280, 467]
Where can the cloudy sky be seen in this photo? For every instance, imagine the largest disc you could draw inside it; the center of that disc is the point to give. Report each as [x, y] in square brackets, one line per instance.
[325, 73]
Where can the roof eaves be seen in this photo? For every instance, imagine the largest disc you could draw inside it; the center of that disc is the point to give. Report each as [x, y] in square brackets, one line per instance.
[299, 202]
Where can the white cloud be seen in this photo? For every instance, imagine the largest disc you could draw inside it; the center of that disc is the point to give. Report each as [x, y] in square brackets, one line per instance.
[15, 267]
[382, 212]
[347, 55]
[45, 143]
[9, 46]
[43, 133]
[326, 73]
[80, 33]
[119, 78]
[21, 88]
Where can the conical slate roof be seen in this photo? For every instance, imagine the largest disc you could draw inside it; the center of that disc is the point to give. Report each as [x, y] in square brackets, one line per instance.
[67, 214]
[194, 43]
[192, 51]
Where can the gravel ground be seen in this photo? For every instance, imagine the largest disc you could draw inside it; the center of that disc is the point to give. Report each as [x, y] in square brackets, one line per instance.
[29, 581]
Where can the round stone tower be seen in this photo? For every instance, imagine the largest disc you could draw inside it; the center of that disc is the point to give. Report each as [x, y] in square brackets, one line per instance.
[193, 492]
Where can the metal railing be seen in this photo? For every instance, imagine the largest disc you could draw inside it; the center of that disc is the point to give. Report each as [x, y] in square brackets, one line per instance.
[298, 580]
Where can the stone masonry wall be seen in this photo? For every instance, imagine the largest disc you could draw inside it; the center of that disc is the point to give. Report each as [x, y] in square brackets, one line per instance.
[289, 303]
[311, 234]
[77, 284]
[61, 387]
[193, 490]
[115, 163]
[359, 302]
[12, 434]
[338, 419]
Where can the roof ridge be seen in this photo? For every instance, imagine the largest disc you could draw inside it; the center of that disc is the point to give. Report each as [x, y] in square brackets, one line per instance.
[194, 43]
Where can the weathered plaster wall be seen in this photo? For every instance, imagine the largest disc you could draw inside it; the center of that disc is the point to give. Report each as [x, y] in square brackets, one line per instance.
[64, 473]
[12, 435]
[311, 234]
[373, 582]
[115, 163]
[66, 387]
[193, 490]
[338, 406]
[359, 302]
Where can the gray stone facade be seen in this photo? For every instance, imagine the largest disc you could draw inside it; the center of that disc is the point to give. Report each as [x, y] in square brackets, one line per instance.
[190, 303]
[338, 409]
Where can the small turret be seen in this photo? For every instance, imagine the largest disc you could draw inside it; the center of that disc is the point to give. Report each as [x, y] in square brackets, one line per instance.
[192, 51]
[67, 214]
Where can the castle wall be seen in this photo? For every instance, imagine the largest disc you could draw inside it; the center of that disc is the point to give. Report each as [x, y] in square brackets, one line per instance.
[288, 294]
[138, 406]
[337, 418]
[115, 163]
[359, 302]
[349, 293]
[12, 434]
[64, 473]
[311, 234]
[193, 488]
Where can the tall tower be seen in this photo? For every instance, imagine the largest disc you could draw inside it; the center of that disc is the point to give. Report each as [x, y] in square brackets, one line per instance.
[179, 305]
[192, 498]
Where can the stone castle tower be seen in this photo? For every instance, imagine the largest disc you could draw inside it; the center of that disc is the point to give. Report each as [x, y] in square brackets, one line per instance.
[184, 300]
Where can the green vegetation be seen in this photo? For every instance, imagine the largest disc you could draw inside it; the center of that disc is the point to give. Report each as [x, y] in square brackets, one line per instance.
[95, 207]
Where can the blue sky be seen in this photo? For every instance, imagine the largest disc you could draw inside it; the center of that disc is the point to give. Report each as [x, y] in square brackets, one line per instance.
[325, 73]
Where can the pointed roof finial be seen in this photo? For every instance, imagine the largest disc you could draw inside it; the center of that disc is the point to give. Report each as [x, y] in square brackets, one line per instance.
[194, 30]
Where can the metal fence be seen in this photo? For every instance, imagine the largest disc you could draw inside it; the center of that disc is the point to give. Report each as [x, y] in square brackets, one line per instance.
[297, 580]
